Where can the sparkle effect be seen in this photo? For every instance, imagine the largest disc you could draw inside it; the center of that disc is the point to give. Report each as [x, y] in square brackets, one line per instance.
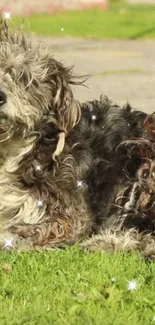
[79, 183]
[40, 203]
[62, 29]
[132, 285]
[8, 243]
[93, 117]
[6, 15]
[113, 279]
[38, 167]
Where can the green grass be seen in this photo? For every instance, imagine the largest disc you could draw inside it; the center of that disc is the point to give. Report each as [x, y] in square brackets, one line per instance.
[121, 21]
[74, 288]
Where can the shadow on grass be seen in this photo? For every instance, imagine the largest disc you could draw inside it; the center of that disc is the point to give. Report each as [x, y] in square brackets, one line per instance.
[143, 33]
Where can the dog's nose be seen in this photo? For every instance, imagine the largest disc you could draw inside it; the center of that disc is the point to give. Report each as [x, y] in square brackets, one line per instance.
[2, 98]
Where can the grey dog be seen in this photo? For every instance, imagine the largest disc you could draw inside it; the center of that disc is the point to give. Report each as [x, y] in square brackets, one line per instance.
[69, 172]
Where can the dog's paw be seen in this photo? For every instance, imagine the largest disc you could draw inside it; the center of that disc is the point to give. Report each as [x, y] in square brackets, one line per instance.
[149, 252]
[96, 246]
[12, 242]
[149, 258]
[90, 249]
[8, 241]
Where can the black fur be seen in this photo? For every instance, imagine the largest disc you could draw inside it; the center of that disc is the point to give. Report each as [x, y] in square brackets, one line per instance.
[107, 160]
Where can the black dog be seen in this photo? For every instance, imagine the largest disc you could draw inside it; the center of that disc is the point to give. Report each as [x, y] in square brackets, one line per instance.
[114, 152]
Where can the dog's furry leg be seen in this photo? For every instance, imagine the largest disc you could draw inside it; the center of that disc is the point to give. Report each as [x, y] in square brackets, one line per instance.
[45, 235]
[13, 242]
[129, 240]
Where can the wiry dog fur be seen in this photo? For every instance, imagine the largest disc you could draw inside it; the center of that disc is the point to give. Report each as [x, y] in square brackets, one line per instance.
[50, 145]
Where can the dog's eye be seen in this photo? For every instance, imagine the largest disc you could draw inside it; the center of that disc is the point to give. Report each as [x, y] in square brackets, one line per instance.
[50, 132]
[143, 173]
[10, 71]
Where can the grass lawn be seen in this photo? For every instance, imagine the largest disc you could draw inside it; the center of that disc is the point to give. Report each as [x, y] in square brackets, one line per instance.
[121, 21]
[74, 288]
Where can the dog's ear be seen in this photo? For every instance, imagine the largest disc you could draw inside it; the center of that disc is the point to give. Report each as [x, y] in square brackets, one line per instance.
[64, 109]
[60, 79]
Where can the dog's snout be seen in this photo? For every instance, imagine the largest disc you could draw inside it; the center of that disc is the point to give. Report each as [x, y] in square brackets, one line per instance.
[2, 98]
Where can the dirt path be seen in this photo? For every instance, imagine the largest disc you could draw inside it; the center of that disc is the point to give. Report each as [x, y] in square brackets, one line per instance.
[122, 70]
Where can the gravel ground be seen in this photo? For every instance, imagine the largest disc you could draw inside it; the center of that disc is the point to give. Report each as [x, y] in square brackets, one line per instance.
[122, 70]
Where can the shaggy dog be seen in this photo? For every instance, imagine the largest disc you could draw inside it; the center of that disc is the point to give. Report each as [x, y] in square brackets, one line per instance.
[69, 172]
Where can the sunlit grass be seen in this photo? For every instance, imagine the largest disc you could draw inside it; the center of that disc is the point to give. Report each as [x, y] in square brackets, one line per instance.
[74, 288]
[119, 22]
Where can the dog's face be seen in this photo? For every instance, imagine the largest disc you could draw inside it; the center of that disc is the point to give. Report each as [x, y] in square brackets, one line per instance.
[34, 89]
